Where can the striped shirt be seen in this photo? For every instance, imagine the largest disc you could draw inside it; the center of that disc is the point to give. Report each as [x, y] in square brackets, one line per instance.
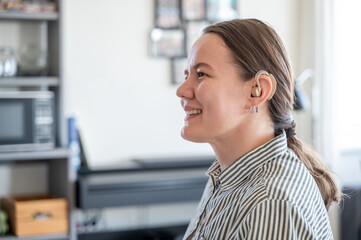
[266, 194]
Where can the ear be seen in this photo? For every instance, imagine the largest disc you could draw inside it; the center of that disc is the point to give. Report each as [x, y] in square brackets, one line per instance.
[264, 90]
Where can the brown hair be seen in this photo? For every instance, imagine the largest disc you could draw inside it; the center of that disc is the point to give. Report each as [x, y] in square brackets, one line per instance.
[256, 46]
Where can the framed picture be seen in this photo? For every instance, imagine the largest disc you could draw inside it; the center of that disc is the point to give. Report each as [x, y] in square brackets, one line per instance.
[178, 66]
[194, 31]
[167, 14]
[168, 43]
[221, 10]
[193, 10]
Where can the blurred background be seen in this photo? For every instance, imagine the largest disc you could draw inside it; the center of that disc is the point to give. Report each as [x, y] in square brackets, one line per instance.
[89, 115]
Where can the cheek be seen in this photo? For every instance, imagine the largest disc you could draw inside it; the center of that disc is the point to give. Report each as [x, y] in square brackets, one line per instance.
[206, 95]
[221, 99]
[201, 94]
[215, 100]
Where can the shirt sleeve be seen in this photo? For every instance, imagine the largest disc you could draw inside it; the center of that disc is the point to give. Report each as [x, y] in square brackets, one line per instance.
[276, 220]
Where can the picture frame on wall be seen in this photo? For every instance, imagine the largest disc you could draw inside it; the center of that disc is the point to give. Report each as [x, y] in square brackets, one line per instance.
[193, 10]
[168, 14]
[221, 10]
[178, 66]
[168, 43]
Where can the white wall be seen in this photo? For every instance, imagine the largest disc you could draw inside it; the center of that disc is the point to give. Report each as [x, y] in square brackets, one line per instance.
[122, 98]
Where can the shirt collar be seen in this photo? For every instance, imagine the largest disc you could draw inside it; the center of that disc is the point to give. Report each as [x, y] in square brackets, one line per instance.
[245, 165]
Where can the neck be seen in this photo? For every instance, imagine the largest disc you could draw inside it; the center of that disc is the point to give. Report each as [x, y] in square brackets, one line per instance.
[234, 145]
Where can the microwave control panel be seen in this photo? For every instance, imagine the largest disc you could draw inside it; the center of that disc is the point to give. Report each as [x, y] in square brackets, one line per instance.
[44, 120]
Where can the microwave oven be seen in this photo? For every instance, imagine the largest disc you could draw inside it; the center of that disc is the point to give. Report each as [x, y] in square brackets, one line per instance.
[27, 120]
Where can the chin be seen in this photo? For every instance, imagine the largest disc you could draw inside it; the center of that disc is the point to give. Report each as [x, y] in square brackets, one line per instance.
[192, 137]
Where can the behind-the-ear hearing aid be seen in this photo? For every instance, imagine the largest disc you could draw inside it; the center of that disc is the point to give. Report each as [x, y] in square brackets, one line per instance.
[257, 90]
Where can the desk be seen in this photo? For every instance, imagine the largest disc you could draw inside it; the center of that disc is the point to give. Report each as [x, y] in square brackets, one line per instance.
[141, 182]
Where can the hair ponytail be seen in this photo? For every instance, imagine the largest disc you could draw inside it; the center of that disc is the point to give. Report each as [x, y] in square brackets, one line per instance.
[256, 46]
[310, 158]
[317, 168]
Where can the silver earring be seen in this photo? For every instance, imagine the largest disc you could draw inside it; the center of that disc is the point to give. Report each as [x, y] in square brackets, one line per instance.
[252, 109]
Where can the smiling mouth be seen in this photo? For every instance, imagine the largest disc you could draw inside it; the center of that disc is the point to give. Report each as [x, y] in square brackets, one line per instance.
[194, 112]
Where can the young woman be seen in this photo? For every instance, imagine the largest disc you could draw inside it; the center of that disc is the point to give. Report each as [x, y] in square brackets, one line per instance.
[238, 97]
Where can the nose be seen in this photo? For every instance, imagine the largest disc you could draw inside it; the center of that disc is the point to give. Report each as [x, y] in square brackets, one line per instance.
[186, 89]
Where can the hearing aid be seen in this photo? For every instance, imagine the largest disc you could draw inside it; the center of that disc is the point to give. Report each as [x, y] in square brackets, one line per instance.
[257, 90]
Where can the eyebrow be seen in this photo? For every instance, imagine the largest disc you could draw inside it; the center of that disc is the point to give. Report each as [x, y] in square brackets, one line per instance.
[201, 64]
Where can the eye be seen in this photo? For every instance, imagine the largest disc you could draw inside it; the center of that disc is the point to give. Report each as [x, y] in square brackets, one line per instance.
[201, 74]
[185, 74]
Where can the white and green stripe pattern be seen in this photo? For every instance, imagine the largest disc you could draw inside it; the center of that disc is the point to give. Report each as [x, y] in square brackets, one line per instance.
[266, 194]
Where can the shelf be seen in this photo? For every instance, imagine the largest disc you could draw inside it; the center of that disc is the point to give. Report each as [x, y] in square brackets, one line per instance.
[28, 81]
[40, 237]
[57, 153]
[29, 16]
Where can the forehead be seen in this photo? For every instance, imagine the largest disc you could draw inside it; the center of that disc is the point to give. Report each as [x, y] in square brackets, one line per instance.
[211, 49]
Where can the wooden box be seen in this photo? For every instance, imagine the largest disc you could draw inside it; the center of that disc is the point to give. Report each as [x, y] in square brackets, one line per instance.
[36, 215]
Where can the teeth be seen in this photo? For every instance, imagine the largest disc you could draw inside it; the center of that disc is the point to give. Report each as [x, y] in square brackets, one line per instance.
[196, 111]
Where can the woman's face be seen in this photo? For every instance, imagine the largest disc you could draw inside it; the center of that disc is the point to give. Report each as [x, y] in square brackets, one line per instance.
[213, 95]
